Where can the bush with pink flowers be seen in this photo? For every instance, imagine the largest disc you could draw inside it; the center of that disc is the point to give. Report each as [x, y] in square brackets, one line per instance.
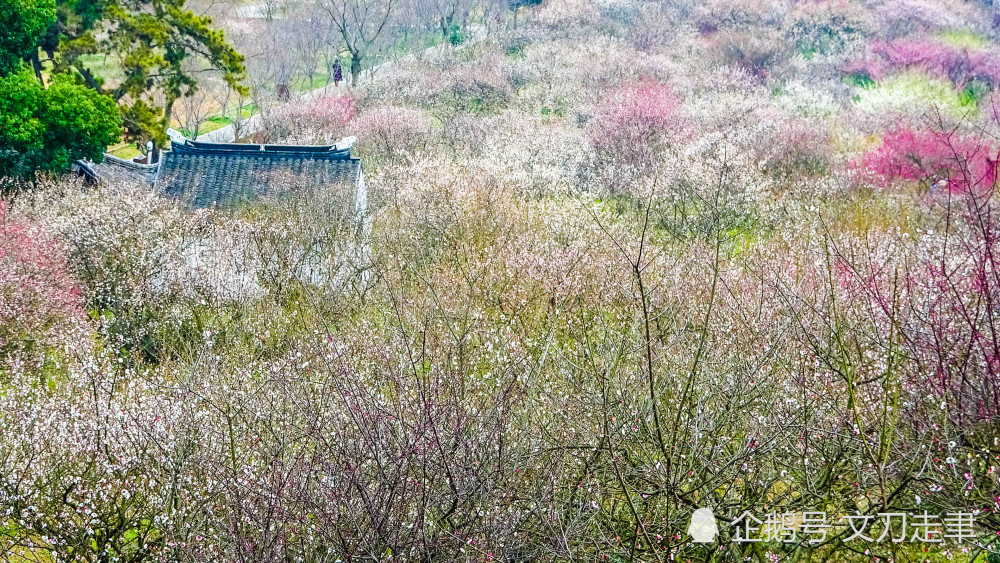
[934, 158]
[630, 127]
[971, 70]
[314, 121]
[39, 300]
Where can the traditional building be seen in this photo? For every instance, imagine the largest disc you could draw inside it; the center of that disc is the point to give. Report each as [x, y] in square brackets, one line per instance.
[228, 174]
[221, 175]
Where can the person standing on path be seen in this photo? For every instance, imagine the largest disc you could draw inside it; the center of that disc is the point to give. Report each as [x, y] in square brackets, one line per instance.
[338, 73]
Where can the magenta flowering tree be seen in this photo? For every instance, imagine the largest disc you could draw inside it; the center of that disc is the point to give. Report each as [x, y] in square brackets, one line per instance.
[37, 294]
[630, 127]
[925, 54]
[959, 65]
[934, 159]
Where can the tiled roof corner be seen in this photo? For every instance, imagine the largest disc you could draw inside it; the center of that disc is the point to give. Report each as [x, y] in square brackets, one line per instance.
[115, 170]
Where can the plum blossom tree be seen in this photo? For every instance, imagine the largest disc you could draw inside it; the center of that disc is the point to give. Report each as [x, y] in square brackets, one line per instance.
[961, 162]
[504, 364]
[630, 127]
[386, 133]
[39, 299]
[316, 121]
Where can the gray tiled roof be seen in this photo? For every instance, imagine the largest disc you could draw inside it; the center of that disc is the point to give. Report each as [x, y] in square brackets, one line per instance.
[116, 170]
[210, 174]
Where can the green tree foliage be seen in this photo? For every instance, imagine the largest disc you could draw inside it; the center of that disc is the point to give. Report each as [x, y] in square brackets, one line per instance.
[154, 42]
[46, 129]
[158, 44]
[22, 22]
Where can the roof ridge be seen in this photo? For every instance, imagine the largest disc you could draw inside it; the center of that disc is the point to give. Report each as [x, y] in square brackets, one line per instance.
[315, 151]
[118, 161]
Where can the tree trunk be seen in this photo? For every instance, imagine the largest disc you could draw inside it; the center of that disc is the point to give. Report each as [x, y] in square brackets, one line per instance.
[36, 64]
[446, 26]
[168, 112]
[355, 68]
[88, 78]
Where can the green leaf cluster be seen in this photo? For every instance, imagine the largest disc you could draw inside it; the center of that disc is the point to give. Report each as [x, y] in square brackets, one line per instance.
[22, 23]
[47, 129]
[160, 46]
[63, 110]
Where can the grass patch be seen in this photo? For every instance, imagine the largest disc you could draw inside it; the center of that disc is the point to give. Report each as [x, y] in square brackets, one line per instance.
[213, 123]
[105, 68]
[964, 39]
[911, 90]
[207, 126]
[320, 79]
[128, 151]
[974, 93]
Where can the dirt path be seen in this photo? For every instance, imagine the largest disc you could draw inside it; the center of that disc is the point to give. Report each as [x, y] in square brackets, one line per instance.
[254, 124]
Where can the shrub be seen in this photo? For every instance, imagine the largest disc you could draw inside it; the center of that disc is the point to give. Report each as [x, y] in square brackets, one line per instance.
[127, 247]
[961, 66]
[630, 127]
[864, 72]
[963, 163]
[646, 26]
[447, 83]
[799, 147]
[560, 77]
[39, 300]
[825, 28]
[314, 121]
[758, 53]
[928, 55]
[720, 15]
[387, 132]
[480, 86]
[906, 18]
[465, 134]
[564, 17]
